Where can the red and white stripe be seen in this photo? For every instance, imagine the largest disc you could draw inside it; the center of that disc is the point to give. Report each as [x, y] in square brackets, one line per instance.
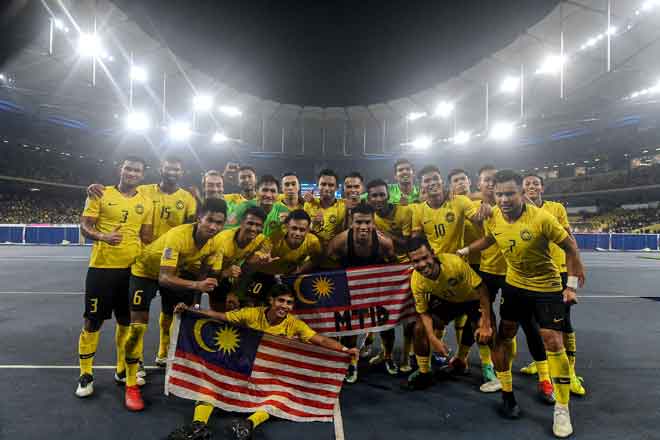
[290, 380]
[387, 286]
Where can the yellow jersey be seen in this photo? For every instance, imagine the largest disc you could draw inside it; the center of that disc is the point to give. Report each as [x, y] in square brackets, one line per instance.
[525, 244]
[228, 249]
[289, 259]
[255, 318]
[111, 211]
[444, 227]
[170, 210]
[282, 197]
[235, 199]
[473, 232]
[559, 212]
[398, 223]
[176, 249]
[456, 283]
[333, 219]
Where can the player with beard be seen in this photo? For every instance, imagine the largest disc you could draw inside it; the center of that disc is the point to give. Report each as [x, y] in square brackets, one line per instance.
[362, 245]
[533, 288]
[327, 213]
[353, 189]
[533, 190]
[291, 197]
[247, 181]
[404, 191]
[267, 193]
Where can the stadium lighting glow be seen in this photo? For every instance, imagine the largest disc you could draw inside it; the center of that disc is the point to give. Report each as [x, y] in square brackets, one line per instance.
[510, 84]
[202, 103]
[413, 116]
[551, 65]
[421, 142]
[137, 121]
[89, 45]
[219, 137]
[462, 137]
[501, 131]
[3, 77]
[444, 109]
[649, 4]
[179, 131]
[139, 74]
[593, 41]
[228, 110]
[59, 25]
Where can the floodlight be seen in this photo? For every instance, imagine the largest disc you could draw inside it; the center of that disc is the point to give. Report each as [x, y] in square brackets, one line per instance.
[551, 65]
[89, 45]
[3, 77]
[612, 30]
[59, 25]
[444, 109]
[510, 84]
[462, 137]
[421, 142]
[219, 137]
[137, 121]
[202, 103]
[413, 116]
[501, 131]
[228, 110]
[138, 73]
[180, 131]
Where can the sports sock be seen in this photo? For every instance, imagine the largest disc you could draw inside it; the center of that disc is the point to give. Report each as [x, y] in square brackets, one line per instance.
[571, 349]
[121, 335]
[164, 323]
[559, 371]
[203, 412]
[484, 355]
[459, 323]
[543, 370]
[514, 349]
[258, 418]
[87, 344]
[506, 379]
[354, 361]
[423, 363]
[134, 347]
[463, 352]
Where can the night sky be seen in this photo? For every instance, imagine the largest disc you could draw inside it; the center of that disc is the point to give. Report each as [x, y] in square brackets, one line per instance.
[329, 53]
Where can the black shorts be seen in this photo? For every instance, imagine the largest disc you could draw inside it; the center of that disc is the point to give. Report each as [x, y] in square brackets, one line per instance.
[546, 308]
[443, 312]
[493, 283]
[106, 291]
[142, 292]
[254, 289]
[170, 298]
[568, 325]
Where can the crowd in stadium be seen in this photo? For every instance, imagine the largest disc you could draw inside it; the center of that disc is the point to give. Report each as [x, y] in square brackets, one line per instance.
[21, 208]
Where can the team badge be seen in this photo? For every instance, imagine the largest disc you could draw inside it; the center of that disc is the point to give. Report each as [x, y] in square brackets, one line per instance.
[179, 204]
[332, 219]
[525, 235]
[139, 209]
[452, 282]
[450, 217]
[167, 253]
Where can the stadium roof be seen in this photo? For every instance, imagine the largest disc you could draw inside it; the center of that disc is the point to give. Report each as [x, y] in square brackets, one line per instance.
[57, 88]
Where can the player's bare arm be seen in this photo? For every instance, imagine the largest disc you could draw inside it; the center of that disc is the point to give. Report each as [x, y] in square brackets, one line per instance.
[167, 277]
[576, 274]
[477, 246]
[436, 343]
[88, 229]
[485, 331]
[333, 344]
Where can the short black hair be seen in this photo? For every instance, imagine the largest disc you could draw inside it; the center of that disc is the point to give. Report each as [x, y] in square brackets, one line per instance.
[298, 214]
[172, 159]
[488, 167]
[428, 169]
[507, 175]
[214, 173]
[133, 159]
[417, 242]
[534, 175]
[328, 172]
[268, 178]
[455, 172]
[290, 173]
[280, 289]
[363, 208]
[402, 161]
[212, 206]
[247, 168]
[354, 175]
[377, 182]
[256, 211]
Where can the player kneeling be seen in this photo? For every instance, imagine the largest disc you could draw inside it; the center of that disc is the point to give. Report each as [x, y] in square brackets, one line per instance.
[445, 287]
[274, 319]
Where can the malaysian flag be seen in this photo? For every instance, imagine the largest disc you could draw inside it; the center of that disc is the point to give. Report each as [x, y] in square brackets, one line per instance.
[354, 301]
[244, 370]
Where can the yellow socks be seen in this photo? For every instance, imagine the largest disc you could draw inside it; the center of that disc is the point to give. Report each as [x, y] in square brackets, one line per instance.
[423, 363]
[459, 323]
[134, 347]
[559, 370]
[543, 370]
[463, 352]
[203, 412]
[258, 418]
[164, 323]
[121, 335]
[484, 355]
[571, 348]
[87, 344]
[506, 379]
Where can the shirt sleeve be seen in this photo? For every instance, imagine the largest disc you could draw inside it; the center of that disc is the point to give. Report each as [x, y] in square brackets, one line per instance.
[92, 207]
[170, 255]
[302, 330]
[191, 209]
[238, 316]
[421, 302]
[148, 217]
[471, 277]
[469, 208]
[552, 230]
[406, 227]
[487, 225]
[314, 250]
[562, 216]
[416, 221]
